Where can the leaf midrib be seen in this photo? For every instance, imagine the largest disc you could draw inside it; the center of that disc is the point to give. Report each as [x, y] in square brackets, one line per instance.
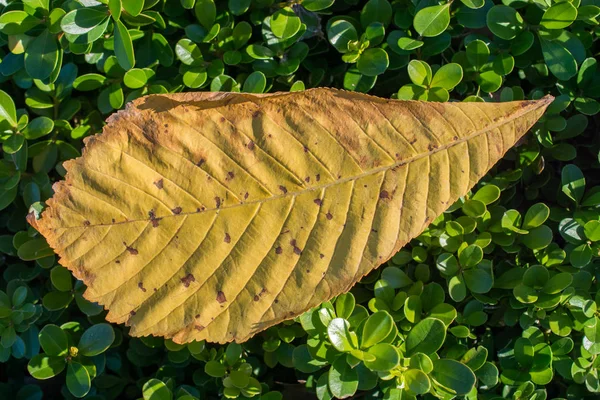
[523, 111]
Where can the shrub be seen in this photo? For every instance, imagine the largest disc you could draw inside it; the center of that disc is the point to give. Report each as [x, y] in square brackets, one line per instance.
[496, 299]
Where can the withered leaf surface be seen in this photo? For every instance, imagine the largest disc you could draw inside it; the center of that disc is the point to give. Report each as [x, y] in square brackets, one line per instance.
[214, 216]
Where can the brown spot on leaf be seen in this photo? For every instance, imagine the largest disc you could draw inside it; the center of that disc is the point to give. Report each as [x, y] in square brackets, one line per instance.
[222, 119]
[256, 297]
[153, 218]
[197, 316]
[251, 145]
[283, 189]
[305, 149]
[227, 238]
[199, 328]
[278, 250]
[159, 183]
[176, 210]
[455, 138]
[86, 223]
[321, 255]
[218, 201]
[132, 313]
[318, 177]
[329, 216]
[221, 297]
[384, 194]
[431, 147]
[199, 163]
[256, 114]
[297, 250]
[307, 179]
[230, 176]
[276, 301]
[246, 196]
[187, 280]
[117, 262]
[141, 286]
[318, 202]
[131, 250]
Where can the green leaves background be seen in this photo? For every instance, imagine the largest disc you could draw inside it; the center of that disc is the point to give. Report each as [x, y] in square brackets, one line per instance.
[496, 299]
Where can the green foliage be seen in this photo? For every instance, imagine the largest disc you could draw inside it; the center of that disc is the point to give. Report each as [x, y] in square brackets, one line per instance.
[496, 299]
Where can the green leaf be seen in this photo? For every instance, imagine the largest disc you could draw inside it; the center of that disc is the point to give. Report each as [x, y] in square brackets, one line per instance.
[135, 78]
[344, 305]
[82, 20]
[473, 4]
[339, 334]
[38, 127]
[317, 5]
[376, 11]
[54, 341]
[206, 13]
[477, 53]
[386, 357]
[581, 256]
[115, 9]
[88, 82]
[478, 280]
[538, 237]
[285, 23]
[453, 375]
[448, 76]
[447, 264]
[133, 7]
[413, 308]
[592, 230]
[7, 109]
[78, 379]
[340, 33]
[558, 283]
[559, 59]
[419, 72]
[470, 256]
[426, 337]
[342, 379]
[155, 389]
[373, 62]
[215, 369]
[457, 288]
[377, 327]
[504, 22]
[34, 249]
[43, 367]
[524, 352]
[407, 43]
[41, 56]
[123, 46]
[195, 77]
[61, 278]
[559, 16]
[536, 216]
[432, 21]
[15, 22]
[96, 340]
[573, 182]
[417, 381]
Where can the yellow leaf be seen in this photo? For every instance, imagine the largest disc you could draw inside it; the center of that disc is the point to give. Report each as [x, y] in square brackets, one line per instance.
[214, 216]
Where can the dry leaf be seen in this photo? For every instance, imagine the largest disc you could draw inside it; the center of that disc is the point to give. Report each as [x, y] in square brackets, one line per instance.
[214, 216]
